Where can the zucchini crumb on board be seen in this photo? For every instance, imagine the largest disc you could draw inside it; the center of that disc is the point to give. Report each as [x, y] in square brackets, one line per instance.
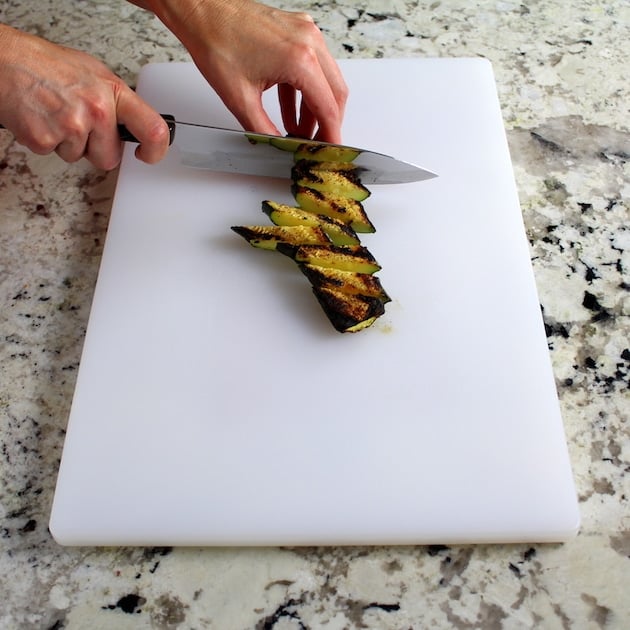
[320, 233]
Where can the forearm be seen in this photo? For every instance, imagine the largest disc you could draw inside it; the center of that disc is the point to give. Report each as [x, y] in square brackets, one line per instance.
[9, 37]
[18, 81]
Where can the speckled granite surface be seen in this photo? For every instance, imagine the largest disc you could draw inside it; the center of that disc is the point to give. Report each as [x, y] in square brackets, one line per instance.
[561, 71]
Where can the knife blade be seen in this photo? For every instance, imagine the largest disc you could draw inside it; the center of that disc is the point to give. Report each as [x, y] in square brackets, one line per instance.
[233, 151]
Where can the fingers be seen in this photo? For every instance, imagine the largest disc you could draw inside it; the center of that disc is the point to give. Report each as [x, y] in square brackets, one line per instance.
[287, 98]
[56, 99]
[319, 108]
[251, 114]
[92, 133]
[302, 126]
[253, 47]
[315, 75]
[145, 124]
[324, 97]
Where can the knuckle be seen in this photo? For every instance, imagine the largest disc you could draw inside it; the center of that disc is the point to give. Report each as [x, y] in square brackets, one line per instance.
[305, 17]
[305, 55]
[74, 125]
[69, 151]
[107, 163]
[71, 157]
[100, 111]
[42, 144]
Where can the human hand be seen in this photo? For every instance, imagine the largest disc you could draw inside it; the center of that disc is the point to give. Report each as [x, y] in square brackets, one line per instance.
[54, 98]
[243, 48]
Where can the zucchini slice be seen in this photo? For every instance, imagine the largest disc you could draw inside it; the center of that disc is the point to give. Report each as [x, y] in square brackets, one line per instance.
[345, 281]
[286, 144]
[271, 236]
[338, 232]
[320, 233]
[339, 183]
[348, 312]
[355, 258]
[325, 153]
[255, 138]
[343, 167]
[349, 211]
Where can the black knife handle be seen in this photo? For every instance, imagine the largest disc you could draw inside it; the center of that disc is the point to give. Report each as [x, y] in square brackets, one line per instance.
[127, 136]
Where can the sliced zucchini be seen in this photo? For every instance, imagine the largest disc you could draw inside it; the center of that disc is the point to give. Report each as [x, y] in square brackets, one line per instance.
[343, 167]
[255, 138]
[349, 312]
[286, 144]
[320, 233]
[355, 258]
[350, 211]
[339, 183]
[271, 236]
[338, 232]
[325, 153]
[345, 281]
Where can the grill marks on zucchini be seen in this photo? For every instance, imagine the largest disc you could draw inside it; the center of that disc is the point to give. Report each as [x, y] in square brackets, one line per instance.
[348, 312]
[320, 234]
[353, 258]
[353, 282]
[338, 232]
[270, 237]
[348, 211]
[343, 183]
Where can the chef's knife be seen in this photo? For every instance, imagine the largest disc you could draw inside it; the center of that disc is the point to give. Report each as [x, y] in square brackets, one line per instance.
[231, 151]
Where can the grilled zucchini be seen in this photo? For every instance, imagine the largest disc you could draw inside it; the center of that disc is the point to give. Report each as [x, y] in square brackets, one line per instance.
[286, 144]
[320, 233]
[345, 281]
[271, 236]
[325, 153]
[338, 232]
[338, 183]
[355, 258]
[349, 312]
[332, 167]
[349, 211]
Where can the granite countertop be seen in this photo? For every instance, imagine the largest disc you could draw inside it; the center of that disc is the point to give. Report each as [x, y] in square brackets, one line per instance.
[561, 73]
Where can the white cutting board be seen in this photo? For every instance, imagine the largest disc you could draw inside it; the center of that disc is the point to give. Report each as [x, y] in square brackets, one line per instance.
[215, 404]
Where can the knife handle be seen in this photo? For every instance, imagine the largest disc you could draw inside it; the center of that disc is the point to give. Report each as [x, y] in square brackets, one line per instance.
[127, 136]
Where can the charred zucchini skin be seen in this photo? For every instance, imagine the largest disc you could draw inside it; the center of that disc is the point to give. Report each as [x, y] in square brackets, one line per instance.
[356, 258]
[350, 211]
[320, 233]
[345, 281]
[272, 236]
[340, 183]
[255, 138]
[348, 312]
[325, 153]
[338, 232]
[287, 143]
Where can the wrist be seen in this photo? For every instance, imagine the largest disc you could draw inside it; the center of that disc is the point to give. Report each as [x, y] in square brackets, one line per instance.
[8, 37]
[194, 22]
